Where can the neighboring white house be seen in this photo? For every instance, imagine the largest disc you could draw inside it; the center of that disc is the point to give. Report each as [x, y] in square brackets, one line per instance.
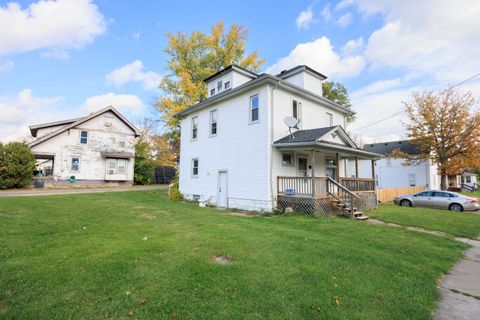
[391, 173]
[95, 149]
[236, 151]
[469, 180]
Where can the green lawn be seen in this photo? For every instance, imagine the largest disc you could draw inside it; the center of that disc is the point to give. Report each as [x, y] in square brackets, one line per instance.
[461, 224]
[84, 257]
[475, 194]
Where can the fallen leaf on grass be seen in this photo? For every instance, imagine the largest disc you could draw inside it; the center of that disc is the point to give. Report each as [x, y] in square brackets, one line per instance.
[336, 299]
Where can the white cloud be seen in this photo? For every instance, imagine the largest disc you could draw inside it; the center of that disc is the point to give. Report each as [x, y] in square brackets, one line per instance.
[53, 25]
[352, 45]
[6, 66]
[345, 20]
[326, 14]
[23, 110]
[305, 19]
[133, 72]
[319, 55]
[122, 102]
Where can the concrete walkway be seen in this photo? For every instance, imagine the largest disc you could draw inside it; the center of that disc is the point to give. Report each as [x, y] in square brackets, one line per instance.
[48, 192]
[460, 288]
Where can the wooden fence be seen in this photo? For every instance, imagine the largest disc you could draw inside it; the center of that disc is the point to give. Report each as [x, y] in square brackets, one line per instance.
[389, 194]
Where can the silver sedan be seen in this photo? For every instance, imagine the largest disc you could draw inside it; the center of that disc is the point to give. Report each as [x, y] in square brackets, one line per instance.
[439, 200]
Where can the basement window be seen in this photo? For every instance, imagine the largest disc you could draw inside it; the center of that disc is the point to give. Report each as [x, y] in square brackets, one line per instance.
[83, 137]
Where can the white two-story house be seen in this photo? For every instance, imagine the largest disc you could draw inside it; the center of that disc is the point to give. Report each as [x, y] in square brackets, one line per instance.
[95, 149]
[237, 151]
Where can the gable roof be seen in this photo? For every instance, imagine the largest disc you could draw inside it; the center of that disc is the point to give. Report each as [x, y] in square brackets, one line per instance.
[235, 67]
[34, 128]
[386, 147]
[314, 135]
[82, 120]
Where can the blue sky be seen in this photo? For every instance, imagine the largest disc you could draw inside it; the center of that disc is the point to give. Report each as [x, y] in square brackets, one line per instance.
[65, 58]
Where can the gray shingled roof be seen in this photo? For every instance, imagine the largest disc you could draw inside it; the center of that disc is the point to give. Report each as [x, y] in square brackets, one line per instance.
[386, 147]
[305, 135]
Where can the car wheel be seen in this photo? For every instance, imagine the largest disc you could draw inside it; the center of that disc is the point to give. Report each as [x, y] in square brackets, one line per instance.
[405, 203]
[455, 207]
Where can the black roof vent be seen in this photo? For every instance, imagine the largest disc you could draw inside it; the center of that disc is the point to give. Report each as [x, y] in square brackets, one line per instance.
[284, 71]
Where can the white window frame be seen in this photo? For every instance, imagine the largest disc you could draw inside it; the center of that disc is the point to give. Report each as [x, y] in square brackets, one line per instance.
[250, 109]
[193, 168]
[328, 119]
[226, 85]
[301, 173]
[78, 167]
[212, 113]
[410, 176]
[212, 92]
[124, 166]
[194, 133]
[468, 179]
[122, 141]
[115, 169]
[81, 137]
[219, 86]
[292, 159]
[299, 111]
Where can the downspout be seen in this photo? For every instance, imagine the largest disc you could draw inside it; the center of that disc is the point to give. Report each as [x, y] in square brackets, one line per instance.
[272, 195]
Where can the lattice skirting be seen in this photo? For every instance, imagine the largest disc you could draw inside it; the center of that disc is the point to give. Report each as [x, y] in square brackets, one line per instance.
[367, 201]
[311, 206]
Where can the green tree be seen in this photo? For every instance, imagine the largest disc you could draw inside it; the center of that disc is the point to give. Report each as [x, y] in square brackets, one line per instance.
[192, 58]
[338, 93]
[16, 165]
[144, 163]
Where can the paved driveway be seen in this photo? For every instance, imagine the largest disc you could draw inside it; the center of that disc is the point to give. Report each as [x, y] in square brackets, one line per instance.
[46, 192]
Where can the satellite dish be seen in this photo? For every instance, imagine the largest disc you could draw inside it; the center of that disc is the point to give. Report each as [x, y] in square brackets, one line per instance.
[291, 122]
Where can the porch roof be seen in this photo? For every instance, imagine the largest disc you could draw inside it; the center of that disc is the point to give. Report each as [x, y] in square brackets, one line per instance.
[315, 139]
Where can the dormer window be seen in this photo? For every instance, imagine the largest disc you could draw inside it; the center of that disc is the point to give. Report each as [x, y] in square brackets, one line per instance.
[219, 86]
[212, 92]
[227, 85]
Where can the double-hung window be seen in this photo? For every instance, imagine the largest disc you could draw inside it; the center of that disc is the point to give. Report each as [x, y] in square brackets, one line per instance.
[328, 119]
[227, 85]
[121, 166]
[297, 110]
[212, 92]
[112, 166]
[121, 141]
[195, 167]
[213, 122]
[83, 137]
[219, 86]
[194, 128]
[254, 108]
[117, 166]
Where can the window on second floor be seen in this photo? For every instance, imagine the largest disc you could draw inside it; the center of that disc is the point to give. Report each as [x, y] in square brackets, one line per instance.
[122, 141]
[328, 119]
[254, 108]
[297, 110]
[194, 128]
[83, 137]
[213, 122]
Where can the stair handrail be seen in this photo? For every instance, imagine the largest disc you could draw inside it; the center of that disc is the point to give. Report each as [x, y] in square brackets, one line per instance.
[342, 187]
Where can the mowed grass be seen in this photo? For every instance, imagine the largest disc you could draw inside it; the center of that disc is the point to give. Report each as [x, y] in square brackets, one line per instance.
[85, 257]
[460, 224]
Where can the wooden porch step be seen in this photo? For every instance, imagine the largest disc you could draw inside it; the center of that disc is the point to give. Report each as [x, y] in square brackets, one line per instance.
[361, 218]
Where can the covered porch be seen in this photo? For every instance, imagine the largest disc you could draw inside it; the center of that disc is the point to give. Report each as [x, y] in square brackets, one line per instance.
[323, 165]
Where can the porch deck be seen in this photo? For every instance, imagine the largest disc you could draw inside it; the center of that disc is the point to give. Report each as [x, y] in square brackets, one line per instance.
[318, 187]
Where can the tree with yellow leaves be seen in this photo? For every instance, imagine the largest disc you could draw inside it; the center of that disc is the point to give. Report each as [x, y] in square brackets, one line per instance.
[194, 57]
[445, 127]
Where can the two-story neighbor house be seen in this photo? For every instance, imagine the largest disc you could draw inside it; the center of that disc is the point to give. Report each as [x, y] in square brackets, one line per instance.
[95, 149]
[237, 152]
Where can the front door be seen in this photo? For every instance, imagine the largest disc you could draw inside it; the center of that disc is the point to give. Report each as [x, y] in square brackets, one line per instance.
[222, 194]
[302, 166]
[330, 168]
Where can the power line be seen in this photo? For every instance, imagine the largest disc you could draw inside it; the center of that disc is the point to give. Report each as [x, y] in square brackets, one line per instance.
[400, 112]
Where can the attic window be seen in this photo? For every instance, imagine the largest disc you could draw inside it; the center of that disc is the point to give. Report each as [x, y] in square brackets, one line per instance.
[212, 92]
[219, 85]
[227, 85]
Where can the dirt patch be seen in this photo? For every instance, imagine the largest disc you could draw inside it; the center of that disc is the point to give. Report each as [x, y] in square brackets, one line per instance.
[223, 260]
[148, 216]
